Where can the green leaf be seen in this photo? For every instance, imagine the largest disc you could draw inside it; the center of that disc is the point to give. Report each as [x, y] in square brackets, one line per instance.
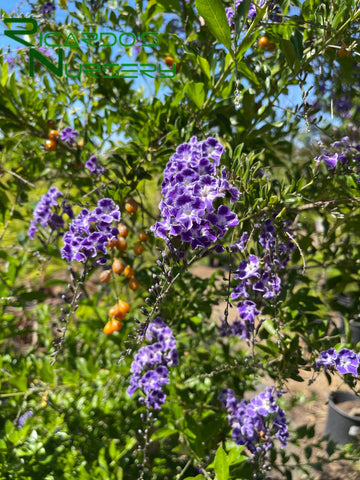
[214, 15]
[241, 15]
[221, 464]
[196, 93]
[288, 50]
[250, 75]
[170, 5]
[204, 65]
[297, 41]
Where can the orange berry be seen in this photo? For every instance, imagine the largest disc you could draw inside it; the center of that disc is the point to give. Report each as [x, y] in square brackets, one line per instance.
[123, 230]
[118, 312]
[117, 266]
[112, 243]
[105, 276]
[108, 329]
[343, 51]
[134, 283]
[114, 311]
[265, 44]
[138, 248]
[129, 272]
[116, 325]
[50, 145]
[143, 236]
[121, 244]
[131, 206]
[169, 61]
[53, 135]
[123, 307]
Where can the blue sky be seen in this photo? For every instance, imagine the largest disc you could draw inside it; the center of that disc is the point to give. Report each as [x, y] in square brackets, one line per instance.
[289, 101]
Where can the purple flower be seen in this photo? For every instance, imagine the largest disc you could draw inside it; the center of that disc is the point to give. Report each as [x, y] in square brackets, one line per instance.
[48, 8]
[92, 165]
[90, 232]
[239, 245]
[47, 52]
[191, 186]
[43, 214]
[345, 361]
[10, 61]
[252, 11]
[248, 268]
[150, 367]
[327, 358]
[255, 423]
[68, 135]
[23, 418]
[340, 153]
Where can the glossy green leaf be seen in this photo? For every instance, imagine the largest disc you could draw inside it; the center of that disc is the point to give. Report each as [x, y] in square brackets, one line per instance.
[213, 12]
[221, 465]
[196, 93]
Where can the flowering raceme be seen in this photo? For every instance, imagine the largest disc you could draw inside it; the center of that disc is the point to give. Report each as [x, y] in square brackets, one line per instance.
[254, 423]
[258, 278]
[90, 232]
[150, 366]
[191, 190]
[345, 361]
[44, 216]
[343, 153]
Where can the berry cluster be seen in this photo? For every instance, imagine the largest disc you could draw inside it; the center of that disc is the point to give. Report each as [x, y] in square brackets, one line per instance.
[117, 314]
[149, 368]
[255, 423]
[191, 188]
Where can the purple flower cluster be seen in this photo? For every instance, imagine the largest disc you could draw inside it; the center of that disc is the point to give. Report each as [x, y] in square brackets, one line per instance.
[273, 11]
[11, 61]
[342, 152]
[90, 232]
[92, 165]
[24, 417]
[44, 216]
[48, 8]
[258, 277]
[150, 365]
[343, 106]
[254, 423]
[345, 361]
[68, 135]
[191, 186]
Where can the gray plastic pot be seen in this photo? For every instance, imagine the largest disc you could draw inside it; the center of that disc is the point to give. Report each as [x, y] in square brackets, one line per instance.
[355, 331]
[340, 426]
